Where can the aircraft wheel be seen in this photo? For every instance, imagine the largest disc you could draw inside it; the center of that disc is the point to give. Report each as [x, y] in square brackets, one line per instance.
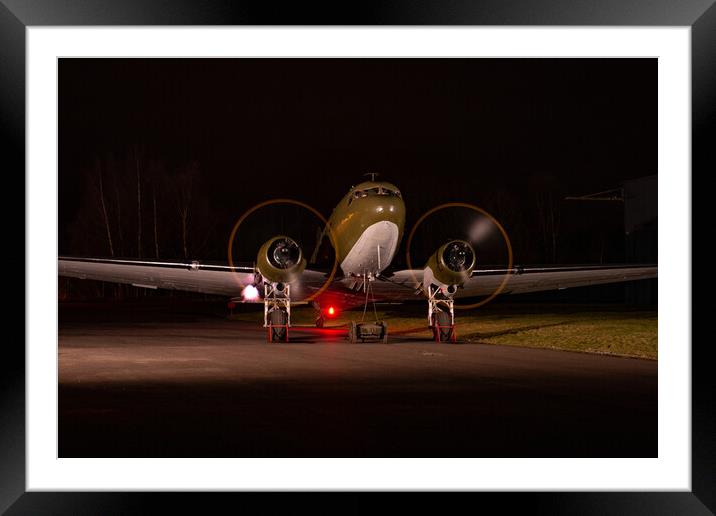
[385, 333]
[443, 320]
[319, 322]
[278, 320]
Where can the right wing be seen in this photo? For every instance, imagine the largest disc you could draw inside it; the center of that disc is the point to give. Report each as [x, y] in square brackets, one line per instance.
[523, 280]
[191, 276]
[223, 280]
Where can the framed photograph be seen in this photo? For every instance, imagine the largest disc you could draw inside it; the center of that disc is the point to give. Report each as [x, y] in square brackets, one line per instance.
[404, 249]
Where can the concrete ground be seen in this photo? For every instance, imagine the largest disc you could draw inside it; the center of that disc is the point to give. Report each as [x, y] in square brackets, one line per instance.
[168, 383]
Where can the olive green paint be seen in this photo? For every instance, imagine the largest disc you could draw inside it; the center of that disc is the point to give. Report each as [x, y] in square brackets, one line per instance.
[353, 215]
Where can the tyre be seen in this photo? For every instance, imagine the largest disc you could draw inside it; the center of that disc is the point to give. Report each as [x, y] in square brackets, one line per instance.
[319, 322]
[443, 321]
[278, 319]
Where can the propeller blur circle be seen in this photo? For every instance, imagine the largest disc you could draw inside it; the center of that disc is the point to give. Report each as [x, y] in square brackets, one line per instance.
[294, 202]
[478, 232]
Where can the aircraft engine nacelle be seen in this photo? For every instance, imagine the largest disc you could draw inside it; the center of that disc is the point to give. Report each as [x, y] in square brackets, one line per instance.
[451, 264]
[280, 260]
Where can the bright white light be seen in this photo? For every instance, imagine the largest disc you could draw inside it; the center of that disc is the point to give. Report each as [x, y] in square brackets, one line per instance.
[249, 293]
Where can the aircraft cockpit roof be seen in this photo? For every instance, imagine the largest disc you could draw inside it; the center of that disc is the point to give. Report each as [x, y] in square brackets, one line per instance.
[375, 188]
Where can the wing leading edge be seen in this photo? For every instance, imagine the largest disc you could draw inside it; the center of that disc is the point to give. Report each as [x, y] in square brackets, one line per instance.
[520, 280]
[193, 276]
[190, 276]
[535, 279]
[401, 286]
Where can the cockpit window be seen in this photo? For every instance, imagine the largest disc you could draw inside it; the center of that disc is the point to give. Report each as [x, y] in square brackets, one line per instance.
[376, 190]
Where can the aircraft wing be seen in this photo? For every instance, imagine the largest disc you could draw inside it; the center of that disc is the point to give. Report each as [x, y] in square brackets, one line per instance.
[194, 276]
[401, 286]
[520, 280]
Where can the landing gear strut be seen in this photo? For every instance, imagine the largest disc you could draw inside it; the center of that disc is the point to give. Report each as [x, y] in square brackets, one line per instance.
[320, 321]
[277, 311]
[441, 315]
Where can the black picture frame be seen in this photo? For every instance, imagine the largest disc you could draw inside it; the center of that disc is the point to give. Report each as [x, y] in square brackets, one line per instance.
[700, 15]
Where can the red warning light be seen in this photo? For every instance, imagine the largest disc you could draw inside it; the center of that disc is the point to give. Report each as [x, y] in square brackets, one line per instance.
[331, 310]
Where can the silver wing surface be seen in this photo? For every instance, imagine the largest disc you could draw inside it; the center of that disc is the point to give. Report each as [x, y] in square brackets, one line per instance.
[520, 280]
[401, 286]
[192, 276]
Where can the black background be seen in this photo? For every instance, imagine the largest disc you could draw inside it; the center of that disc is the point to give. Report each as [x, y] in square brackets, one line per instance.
[505, 134]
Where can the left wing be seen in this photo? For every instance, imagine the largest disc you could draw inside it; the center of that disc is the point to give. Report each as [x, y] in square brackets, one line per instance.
[483, 282]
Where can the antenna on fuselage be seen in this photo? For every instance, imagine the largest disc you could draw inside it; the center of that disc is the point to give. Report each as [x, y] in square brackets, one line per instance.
[372, 175]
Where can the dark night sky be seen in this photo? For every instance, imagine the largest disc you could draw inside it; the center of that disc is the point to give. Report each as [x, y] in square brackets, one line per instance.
[441, 129]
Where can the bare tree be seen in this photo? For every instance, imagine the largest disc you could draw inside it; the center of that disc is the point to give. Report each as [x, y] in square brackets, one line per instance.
[139, 204]
[184, 214]
[185, 186]
[542, 220]
[154, 206]
[554, 221]
[192, 205]
[104, 208]
[112, 167]
[114, 190]
[549, 217]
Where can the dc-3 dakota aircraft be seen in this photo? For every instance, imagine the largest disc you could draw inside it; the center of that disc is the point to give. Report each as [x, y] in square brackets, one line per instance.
[366, 228]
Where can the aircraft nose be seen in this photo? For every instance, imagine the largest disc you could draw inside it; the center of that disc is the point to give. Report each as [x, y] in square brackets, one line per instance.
[387, 208]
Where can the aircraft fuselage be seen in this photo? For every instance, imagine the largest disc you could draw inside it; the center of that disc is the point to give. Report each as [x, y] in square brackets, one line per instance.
[368, 225]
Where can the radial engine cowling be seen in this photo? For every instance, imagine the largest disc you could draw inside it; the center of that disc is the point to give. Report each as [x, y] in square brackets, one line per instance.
[280, 260]
[452, 263]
